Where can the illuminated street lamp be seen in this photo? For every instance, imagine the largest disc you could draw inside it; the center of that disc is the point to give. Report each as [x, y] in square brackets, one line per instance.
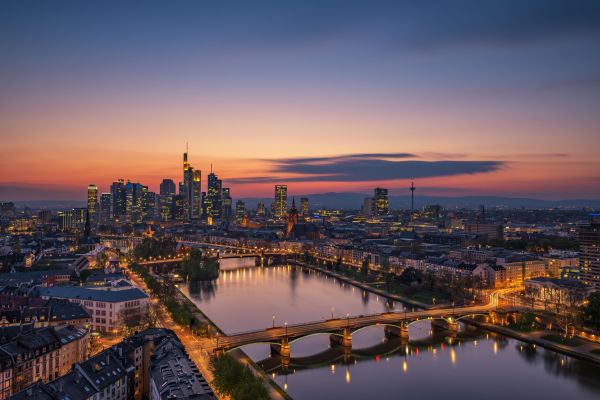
[332, 309]
[273, 321]
[285, 323]
[348, 319]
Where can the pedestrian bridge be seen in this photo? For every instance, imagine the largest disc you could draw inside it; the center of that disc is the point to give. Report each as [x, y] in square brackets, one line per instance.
[395, 324]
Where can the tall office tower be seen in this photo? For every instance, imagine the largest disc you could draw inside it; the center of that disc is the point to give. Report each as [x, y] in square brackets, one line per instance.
[240, 211]
[167, 191]
[44, 216]
[178, 208]
[148, 205]
[214, 199]
[65, 220]
[280, 211]
[367, 207]
[78, 215]
[92, 202]
[589, 252]
[304, 208]
[226, 204]
[133, 204]
[105, 207]
[119, 199]
[196, 196]
[381, 201]
[260, 209]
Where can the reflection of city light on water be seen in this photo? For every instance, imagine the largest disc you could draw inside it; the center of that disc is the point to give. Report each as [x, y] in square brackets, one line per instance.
[452, 356]
[404, 366]
[333, 368]
[347, 376]
[495, 347]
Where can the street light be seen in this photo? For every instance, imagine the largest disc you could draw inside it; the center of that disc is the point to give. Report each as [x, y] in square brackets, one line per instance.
[285, 323]
[348, 319]
[273, 320]
[332, 309]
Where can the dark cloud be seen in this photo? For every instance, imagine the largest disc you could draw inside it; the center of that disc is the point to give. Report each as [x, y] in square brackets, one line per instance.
[366, 167]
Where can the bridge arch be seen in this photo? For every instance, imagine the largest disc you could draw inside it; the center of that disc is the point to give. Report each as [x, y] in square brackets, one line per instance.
[298, 338]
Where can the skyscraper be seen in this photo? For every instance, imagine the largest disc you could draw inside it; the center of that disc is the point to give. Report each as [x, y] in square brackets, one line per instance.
[226, 204]
[280, 205]
[240, 211]
[92, 201]
[133, 202]
[213, 201]
[304, 209]
[589, 252]
[196, 196]
[381, 201]
[119, 199]
[105, 207]
[167, 191]
[260, 209]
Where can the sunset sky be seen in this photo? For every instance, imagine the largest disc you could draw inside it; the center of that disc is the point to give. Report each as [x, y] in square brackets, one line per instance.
[466, 97]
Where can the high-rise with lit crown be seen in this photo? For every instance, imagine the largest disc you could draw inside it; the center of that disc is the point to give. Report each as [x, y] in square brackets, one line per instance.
[92, 202]
[381, 201]
[280, 205]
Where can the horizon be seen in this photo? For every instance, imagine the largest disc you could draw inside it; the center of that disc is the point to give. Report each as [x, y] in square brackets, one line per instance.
[475, 100]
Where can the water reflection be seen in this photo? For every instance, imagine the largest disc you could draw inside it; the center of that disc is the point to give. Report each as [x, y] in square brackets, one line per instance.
[469, 364]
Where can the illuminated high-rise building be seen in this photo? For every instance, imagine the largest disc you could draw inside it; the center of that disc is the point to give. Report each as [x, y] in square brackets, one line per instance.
[589, 252]
[381, 201]
[214, 199]
[240, 211]
[119, 199]
[105, 207]
[280, 205]
[133, 202]
[196, 196]
[44, 216]
[148, 204]
[260, 209]
[226, 206]
[167, 191]
[304, 208]
[65, 220]
[178, 208]
[92, 202]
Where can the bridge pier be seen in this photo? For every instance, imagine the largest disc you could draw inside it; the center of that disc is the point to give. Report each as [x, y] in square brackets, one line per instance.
[438, 325]
[392, 331]
[345, 339]
[282, 349]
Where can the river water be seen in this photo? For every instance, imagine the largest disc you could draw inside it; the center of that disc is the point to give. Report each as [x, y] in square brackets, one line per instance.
[473, 364]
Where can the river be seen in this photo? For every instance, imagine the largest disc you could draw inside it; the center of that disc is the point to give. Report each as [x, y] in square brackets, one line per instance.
[472, 364]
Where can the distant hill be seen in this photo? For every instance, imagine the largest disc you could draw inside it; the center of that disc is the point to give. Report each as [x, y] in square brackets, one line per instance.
[354, 201]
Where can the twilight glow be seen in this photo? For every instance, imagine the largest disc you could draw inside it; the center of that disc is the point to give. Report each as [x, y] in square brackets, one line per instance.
[466, 97]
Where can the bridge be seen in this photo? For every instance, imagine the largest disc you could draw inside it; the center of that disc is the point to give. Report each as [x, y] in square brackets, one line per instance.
[224, 255]
[395, 324]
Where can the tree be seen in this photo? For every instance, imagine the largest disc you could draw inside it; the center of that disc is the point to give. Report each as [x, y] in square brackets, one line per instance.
[410, 275]
[195, 267]
[591, 311]
[236, 380]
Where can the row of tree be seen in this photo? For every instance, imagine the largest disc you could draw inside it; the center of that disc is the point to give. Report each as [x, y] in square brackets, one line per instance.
[155, 247]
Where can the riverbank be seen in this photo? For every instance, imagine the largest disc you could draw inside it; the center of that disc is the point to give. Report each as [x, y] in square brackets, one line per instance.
[588, 351]
[276, 392]
[363, 286]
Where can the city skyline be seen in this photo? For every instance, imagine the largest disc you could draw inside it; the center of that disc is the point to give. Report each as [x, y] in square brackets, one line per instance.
[488, 100]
